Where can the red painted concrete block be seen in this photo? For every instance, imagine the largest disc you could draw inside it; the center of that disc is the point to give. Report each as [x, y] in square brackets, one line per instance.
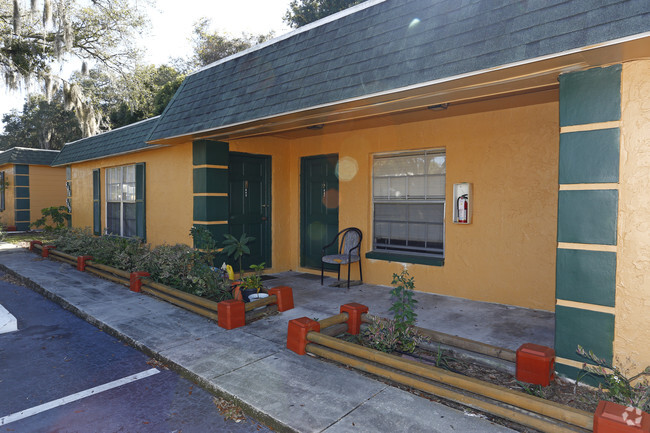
[231, 314]
[615, 418]
[285, 297]
[32, 243]
[135, 282]
[297, 333]
[81, 262]
[535, 364]
[354, 311]
[46, 250]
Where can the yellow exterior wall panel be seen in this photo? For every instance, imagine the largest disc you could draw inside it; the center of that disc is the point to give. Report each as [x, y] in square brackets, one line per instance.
[46, 188]
[169, 200]
[508, 149]
[632, 325]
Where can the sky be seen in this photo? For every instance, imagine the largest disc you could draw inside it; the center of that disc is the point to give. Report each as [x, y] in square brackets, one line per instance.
[172, 22]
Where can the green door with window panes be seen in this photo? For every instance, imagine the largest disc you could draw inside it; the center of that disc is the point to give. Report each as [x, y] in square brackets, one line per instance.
[250, 204]
[319, 205]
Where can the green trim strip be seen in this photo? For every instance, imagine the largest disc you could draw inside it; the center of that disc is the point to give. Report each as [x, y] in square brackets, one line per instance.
[22, 203]
[21, 180]
[21, 169]
[210, 152]
[405, 258]
[592, 330]
[589, 156]
[22, 227]
[210, 208]
[22, 191]
[22, 215]
[586, 276]
[210, 180]
[587, 217]
[590, 96]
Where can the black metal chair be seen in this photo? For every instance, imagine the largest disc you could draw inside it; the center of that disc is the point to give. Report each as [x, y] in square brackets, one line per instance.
[349, 252]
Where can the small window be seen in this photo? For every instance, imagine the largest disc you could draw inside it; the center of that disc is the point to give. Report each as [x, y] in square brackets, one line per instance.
[409, 203]
[120, 201]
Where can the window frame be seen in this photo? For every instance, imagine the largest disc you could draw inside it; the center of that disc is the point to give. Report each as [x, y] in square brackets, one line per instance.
[416, 255]
[122, 183]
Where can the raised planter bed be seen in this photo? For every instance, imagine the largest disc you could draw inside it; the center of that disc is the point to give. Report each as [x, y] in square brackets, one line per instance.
[280, 299]
[309, 336]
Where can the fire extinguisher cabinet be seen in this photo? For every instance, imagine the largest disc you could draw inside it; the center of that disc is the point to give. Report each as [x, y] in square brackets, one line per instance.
[462, 203]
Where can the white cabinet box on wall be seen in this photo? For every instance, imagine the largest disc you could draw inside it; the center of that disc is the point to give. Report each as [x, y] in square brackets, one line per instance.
[462, 203]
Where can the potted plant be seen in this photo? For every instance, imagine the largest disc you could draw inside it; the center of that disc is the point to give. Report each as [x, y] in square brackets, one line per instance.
[252, 284]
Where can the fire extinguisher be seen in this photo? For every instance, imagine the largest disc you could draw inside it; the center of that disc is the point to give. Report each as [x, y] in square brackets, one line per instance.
[461, 207]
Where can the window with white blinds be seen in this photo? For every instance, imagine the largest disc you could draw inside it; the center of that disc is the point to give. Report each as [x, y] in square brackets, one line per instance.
[120, 201]
[409, 202]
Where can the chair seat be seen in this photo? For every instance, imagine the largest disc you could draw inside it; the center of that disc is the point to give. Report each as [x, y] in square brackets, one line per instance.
[340, 259]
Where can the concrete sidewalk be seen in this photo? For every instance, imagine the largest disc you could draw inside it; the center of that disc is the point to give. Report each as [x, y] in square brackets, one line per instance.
[250, 365]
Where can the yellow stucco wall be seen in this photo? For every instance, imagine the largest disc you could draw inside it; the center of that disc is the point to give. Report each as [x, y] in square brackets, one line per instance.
[632, 323]
[507, 148]
[169, 203]
[8, 216]
[46, 188]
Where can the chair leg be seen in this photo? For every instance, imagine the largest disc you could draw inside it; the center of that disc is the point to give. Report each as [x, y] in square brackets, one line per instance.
[360, 274]
[349, 266]
[338, 275]
[322, 272]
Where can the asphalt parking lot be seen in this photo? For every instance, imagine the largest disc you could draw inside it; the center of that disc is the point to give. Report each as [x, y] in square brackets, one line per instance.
[60, 374]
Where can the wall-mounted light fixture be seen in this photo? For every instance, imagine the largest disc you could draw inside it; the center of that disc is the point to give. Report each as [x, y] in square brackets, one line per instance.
[438, 107]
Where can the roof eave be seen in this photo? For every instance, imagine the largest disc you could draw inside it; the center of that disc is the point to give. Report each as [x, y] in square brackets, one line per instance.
[538, 73]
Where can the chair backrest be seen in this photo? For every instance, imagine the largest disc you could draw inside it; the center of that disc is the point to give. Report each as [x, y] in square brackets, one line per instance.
[351, 239]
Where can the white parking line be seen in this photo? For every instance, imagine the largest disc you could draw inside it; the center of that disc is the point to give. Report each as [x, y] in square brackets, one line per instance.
[74, 397]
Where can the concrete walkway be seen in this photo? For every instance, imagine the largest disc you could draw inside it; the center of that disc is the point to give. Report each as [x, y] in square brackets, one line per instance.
[252, 366]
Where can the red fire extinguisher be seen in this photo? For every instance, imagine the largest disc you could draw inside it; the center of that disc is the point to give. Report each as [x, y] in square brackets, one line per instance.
[461, 207]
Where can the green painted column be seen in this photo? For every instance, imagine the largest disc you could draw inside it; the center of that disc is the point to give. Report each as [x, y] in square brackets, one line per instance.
[22, 203]
[590, 109]
[210, 186]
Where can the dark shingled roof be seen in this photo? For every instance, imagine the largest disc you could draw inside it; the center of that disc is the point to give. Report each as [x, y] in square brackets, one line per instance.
[381, 46]
[23, 155]
[127, 139]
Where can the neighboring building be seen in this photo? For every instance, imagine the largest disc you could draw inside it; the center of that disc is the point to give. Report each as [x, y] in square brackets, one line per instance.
[30, 184]
[383, 117]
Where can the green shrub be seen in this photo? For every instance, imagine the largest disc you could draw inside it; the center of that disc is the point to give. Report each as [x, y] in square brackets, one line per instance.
[58, 216]
[384, 335]
[170, 265]
[178, 266]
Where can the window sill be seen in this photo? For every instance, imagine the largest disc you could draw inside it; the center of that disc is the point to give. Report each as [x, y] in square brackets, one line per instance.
[405, 258]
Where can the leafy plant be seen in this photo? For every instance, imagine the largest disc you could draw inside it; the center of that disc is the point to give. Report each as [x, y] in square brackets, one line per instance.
[385, 335]
[534, 390]
[58, 215]
[236, 248]
[403, 301]
[616, 386]
[254, 282]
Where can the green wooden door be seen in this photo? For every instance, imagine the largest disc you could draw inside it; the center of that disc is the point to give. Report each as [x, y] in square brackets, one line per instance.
[319, 205]
[250, 204]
